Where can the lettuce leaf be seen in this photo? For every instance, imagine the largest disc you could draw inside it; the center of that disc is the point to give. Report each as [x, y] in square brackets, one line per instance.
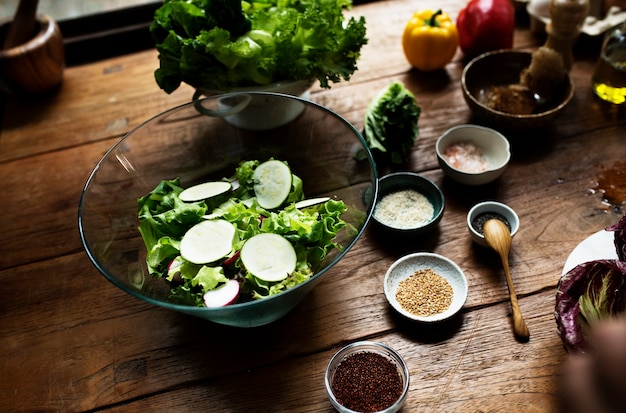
[163, 219]
[391, 123]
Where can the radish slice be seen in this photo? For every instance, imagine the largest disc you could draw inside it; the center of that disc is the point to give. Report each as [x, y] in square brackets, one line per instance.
[268, 256]
[223, 295]
[173, 272]
[272, 183]
[207, 241]
[231, 260]
[305, 203]
[204, 191]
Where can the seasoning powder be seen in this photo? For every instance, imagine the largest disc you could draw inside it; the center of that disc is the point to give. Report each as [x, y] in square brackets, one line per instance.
[367, 382]
[404, 209]
[424, 293]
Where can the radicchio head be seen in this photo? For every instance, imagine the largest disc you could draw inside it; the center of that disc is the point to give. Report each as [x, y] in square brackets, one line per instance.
[620, 237]
[589, 292]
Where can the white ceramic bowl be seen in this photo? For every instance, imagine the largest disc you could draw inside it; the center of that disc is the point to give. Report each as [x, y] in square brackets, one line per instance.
[409, 264]
[251, 111]
[372, 347]
[490, 207]
[495, 148]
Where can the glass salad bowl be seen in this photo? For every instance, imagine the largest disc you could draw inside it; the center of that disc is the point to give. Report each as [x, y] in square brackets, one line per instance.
[197, 143]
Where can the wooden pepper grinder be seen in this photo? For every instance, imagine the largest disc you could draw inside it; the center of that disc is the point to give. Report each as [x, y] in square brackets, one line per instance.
[566, 20]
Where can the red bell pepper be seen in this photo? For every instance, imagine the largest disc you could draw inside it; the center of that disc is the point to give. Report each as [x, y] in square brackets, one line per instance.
[486, 25]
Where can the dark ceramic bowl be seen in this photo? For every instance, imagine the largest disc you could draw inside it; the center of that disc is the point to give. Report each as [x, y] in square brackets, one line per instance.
[501, 68]
[399, 181]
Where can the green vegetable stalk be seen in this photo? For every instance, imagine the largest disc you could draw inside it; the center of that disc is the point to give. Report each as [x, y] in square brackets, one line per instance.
[221, 44]
[391, 123]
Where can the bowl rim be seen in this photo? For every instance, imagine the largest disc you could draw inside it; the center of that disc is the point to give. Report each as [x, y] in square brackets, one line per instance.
[367, 346]
[225, 309]
[501, 141]
[414, 178]
[486, 55]
[456, 305]
[491, 206]
[277, 87]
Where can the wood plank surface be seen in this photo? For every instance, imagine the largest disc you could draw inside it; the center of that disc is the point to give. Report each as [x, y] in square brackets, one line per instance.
[73, 342]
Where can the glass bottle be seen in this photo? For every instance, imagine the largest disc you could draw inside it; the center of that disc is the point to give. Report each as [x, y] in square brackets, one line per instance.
[609, 77]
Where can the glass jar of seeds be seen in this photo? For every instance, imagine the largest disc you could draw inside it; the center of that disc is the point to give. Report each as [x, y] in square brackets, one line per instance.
[367, 377]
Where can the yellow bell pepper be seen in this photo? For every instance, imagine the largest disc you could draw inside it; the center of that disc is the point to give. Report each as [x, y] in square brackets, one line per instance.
[430, 40]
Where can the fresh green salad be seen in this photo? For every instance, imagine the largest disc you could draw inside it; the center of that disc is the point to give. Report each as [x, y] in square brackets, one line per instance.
[244, 238]
[221, 44]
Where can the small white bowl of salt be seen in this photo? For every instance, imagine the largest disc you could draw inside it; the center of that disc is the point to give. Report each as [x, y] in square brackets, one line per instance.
[472, 154]
[408, 204]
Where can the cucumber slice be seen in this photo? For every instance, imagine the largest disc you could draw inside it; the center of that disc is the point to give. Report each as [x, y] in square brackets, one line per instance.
[207, 241]
[305, 203]
[269, 257]
[205, 190]
[272, 183]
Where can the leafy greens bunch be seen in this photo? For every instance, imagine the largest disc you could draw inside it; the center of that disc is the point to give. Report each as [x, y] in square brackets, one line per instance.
[164, 219]
[221, 44]
[391, 123]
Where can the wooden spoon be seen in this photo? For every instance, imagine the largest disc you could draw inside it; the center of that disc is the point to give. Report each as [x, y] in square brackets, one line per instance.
[24, 24]
[498, 237]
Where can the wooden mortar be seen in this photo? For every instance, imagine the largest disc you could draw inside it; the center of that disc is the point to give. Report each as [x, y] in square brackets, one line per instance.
[36, 66]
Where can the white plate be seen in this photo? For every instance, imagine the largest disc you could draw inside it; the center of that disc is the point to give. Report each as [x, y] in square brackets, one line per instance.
[598, 246]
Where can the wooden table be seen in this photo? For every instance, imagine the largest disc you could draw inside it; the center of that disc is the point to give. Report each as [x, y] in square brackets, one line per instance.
[71, 341]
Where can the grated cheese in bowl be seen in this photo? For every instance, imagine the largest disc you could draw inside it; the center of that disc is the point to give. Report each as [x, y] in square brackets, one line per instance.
[404, 209]
[408, 204]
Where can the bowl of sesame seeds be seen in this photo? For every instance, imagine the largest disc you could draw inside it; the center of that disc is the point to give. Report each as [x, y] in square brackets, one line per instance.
[425, 287]
[408, 204]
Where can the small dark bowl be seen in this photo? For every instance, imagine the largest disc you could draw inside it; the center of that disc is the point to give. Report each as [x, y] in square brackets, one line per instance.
[501, 68]
[408, 180]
